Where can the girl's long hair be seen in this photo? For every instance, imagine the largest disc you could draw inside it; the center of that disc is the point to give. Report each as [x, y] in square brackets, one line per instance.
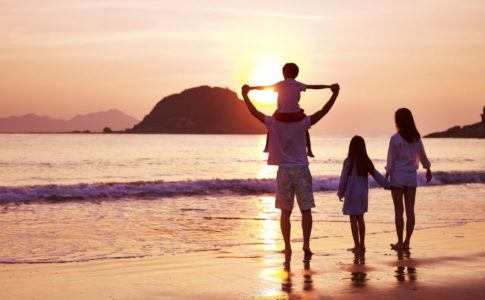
[359, 158]
[406, 126]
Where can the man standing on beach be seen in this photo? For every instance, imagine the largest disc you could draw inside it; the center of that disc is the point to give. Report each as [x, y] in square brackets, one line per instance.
[287, 150]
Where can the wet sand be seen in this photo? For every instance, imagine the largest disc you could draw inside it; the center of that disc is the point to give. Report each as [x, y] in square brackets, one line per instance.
[445, 263]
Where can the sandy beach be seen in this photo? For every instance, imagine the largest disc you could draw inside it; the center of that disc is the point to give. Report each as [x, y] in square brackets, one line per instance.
[445, 263]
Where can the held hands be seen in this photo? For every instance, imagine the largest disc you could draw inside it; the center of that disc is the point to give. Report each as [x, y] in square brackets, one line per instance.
[386, 177]
[429, 175]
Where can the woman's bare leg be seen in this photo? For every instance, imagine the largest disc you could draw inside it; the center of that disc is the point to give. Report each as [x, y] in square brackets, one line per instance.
[397, 198]
[409, 200]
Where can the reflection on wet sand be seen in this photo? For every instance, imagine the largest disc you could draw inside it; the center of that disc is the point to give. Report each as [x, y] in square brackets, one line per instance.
[406, 270]
[405, 273]
[287, 282]
[358, 277]
[359, 258]
[403, 253]
[307, 274]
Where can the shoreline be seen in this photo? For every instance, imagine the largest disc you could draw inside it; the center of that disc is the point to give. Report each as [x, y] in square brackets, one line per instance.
[445, 263]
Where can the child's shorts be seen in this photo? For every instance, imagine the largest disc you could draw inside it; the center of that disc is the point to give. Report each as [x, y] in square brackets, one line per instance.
[291, 181]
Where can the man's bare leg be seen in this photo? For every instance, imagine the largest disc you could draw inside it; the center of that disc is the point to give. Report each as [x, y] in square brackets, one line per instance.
[306, 225]
[285, 226]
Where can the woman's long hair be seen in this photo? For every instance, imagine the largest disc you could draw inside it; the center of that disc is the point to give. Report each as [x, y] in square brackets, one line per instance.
[359, 158]
[406, 126]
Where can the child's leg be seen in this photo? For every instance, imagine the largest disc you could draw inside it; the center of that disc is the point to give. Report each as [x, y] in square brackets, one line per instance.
[266, 145]
[309, 145]
[355, 233]
[361, 232]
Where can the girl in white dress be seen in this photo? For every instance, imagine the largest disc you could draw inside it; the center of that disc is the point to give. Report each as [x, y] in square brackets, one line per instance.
[405, 152]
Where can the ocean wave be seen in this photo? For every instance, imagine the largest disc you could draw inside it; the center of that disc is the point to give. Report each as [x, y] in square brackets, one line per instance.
[166, 189]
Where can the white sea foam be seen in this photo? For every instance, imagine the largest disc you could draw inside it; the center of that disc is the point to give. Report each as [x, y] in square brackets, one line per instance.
[164, 189]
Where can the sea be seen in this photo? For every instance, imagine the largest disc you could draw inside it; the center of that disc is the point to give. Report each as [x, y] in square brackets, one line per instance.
[84, 197]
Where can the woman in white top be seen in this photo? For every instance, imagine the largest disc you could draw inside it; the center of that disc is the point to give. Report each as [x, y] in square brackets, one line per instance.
[405, 152]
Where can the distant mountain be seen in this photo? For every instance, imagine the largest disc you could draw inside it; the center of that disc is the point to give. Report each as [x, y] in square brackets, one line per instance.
[203, 110]
[114, 119]
[94, 122]
[476, 130]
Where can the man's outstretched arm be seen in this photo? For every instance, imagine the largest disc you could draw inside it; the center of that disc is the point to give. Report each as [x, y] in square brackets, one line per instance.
[326, 108]
[256, 113]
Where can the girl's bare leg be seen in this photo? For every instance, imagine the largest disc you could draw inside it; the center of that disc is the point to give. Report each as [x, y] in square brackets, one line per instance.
[361, 232]
[355, 231]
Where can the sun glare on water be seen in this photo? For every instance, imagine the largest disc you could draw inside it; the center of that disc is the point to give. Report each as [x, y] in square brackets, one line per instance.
[265, 73]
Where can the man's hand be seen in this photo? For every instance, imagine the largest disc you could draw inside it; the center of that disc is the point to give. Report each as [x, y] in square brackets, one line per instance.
[335, 88]
[256, 113]
[245, 89]
[326, 108]
[340, 198]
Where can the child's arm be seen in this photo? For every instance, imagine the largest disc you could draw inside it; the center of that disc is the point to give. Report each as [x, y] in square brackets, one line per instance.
[380, 179]
[261, 87]
[317, 86]
[326, 108]
[342, 185]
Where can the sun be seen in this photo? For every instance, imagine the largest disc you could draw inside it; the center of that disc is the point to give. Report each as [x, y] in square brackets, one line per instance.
[265, 73]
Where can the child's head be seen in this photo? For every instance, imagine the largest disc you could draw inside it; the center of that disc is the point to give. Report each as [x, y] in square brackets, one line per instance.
[406, 126]
[358, 155]
[290, 70]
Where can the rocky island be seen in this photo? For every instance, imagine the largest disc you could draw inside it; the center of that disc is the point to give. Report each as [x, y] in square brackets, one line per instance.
[476, 130]
[200, 110]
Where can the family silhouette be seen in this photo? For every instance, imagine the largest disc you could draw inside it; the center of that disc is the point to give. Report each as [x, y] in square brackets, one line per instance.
[288, 146]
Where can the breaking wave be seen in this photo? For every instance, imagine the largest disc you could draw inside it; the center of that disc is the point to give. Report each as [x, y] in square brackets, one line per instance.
[165, 189]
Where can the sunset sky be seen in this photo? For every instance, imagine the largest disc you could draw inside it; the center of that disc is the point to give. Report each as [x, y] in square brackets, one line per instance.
[61, 58]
